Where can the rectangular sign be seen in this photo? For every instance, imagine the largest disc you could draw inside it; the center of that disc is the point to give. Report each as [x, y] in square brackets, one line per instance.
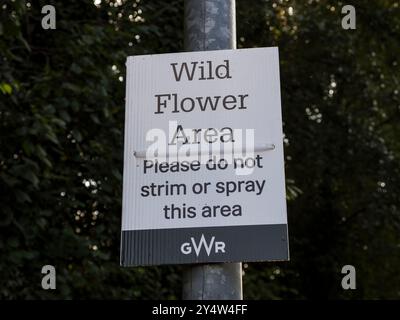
[203, 164]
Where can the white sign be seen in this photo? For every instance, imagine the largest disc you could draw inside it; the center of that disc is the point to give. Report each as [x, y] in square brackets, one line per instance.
[203, 166]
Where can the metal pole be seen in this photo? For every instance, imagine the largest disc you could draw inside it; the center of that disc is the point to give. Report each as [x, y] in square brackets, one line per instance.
[211, 25]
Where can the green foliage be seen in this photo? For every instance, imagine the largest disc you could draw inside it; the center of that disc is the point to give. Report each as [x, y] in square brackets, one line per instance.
[62, 116]
[341, 108]
[61, 145]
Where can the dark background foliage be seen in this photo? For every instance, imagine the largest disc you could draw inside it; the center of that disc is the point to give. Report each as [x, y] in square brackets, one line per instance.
[61, 144]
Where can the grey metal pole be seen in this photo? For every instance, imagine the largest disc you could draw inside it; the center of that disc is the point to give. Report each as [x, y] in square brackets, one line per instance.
[211, 25]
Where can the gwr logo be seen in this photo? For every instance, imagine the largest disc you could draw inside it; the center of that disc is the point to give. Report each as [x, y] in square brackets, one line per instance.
[188, 247]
